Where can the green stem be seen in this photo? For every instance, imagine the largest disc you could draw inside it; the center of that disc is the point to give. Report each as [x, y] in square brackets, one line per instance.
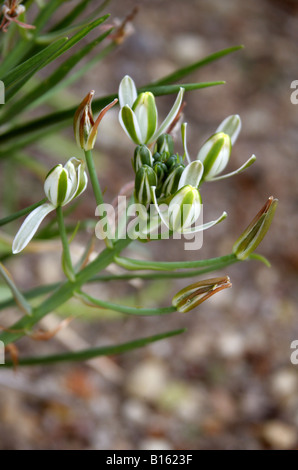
[66, 258]
[18, 296]
[42, 290]
[134, 264]
[96, 187]
[64, 292]
[20, 213]
[124, 308]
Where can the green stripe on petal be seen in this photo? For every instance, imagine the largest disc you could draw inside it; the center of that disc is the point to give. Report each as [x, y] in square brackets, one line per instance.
[62, 187]
[129, 123]
[146, 114]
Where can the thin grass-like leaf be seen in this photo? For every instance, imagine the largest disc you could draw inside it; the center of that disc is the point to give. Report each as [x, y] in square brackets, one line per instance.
[94, 352]
[15, 79]
[184, 71]
[23, 47]
[21, 74]
[48, 86]
[24, 134]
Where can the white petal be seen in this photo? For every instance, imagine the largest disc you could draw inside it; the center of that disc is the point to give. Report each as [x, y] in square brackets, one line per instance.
[200, 228]
[127, 91]
[184, 141]
[170, 117]
[231, 126]
[192, 175]
[30, 226]
[243, 167]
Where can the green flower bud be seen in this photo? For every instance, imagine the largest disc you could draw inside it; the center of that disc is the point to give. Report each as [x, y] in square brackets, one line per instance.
[164, 143]
[160, 170]
[255, 232]
[62, 184]
[142, 156]
[145, 178]
[85, 129]
[215, 154]
[194, 294]
[184, 208]
[171, 184]
[173, 161]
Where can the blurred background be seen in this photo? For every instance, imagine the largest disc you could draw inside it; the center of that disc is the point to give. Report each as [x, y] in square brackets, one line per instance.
[228, 382]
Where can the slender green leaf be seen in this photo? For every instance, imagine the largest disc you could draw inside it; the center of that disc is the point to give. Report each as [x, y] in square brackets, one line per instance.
[18, 296]
[71, 16]
[48, 86]
[18, 77]
[94, 352]
[29, 132]
[183, 72]
[77, 11]
[15, 79]
[23, 47]
[17, 215]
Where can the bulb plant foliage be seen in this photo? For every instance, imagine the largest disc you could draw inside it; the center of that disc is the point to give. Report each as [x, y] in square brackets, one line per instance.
[167, 184]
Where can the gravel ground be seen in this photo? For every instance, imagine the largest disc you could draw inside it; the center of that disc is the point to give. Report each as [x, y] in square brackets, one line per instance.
[228, 382]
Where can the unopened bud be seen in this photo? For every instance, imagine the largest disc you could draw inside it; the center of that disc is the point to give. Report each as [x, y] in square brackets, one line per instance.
[145, 178]
[85, 128]
[255, 232]
[142, 156]
[164, 143]
[171, 184]
[194, 294]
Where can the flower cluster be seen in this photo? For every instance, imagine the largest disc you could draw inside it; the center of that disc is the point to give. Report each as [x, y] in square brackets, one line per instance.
[165, 177]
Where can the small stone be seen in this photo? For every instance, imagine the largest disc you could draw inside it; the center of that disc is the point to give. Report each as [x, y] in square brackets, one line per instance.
[188, 47]
[284, 383]
[279, 435]
[135, 411]
[230, 345]
[155, 444]
[147, 380]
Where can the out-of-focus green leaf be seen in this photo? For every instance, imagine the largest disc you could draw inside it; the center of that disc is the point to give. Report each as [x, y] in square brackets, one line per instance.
[94, 352]
[29, 132]
[23, 47]
[71, 16]
[48, 86]
[15, 79]
[183, 72]
[21, 74]
[21, 213]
